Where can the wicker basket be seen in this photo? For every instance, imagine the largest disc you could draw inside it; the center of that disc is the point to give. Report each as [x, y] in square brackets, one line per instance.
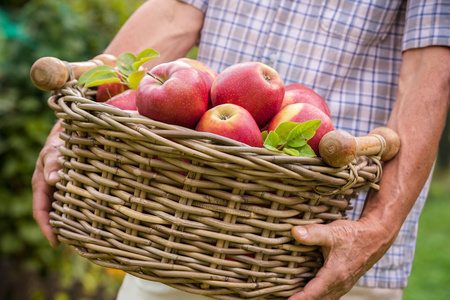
[196, 211]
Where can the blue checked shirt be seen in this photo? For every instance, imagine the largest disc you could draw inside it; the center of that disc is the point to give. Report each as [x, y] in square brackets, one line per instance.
[347, 51]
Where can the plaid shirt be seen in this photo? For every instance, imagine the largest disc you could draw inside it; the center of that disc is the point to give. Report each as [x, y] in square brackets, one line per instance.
[347, 51]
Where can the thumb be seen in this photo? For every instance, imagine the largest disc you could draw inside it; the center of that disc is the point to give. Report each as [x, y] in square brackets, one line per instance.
[49, 159]
[51, 168]
[317, 235]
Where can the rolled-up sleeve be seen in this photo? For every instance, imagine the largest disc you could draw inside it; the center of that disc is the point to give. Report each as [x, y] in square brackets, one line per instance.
[200, 4]
[427, 24]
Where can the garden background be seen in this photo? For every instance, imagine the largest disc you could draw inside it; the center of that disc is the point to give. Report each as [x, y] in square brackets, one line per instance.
[78, 30]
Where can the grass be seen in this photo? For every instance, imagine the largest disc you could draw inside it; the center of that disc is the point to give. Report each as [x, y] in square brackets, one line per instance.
[430, 278]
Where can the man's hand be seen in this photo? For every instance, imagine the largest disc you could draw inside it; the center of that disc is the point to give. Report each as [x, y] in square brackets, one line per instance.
[350, 249]
[44, 179]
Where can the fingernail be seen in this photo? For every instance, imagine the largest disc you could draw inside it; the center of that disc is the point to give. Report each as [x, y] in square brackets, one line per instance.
[301, 232]
[53, 177]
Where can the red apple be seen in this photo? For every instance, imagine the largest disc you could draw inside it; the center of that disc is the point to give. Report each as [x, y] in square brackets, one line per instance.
[108, 90]
[253, 85]
[208, 73]
[297, 86]
[124, 101]
[173, 93]
[302, 112]
[231, 121]
[305, 96]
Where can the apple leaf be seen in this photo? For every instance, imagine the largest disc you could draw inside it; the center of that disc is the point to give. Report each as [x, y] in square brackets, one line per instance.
[291, 151]
[284, 129]
[145, 56]
[127, 71]
[292, 137]
[306, 151]
[125, 63]
[101, 77]
[86, 75]
[147, 53]
[304, 130]
[135, 78]
[264, 135]
[296, 143]
[271, 142]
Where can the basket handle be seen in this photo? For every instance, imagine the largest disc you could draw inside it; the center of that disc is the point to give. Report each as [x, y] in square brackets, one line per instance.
[50, 73]
[339, 148]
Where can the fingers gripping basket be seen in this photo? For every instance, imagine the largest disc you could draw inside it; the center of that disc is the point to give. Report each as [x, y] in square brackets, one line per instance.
[196, 211]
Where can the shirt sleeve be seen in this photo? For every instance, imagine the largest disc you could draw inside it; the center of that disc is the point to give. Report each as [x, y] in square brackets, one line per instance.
[427, 24]
[200, 4]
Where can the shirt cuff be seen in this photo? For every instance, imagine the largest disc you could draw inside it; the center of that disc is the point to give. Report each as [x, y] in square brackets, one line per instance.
[200, 4]
[427, 24]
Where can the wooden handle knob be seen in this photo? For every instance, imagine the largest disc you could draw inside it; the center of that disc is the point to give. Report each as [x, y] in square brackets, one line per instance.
[50, 73]
[339, 148]
[392, 142]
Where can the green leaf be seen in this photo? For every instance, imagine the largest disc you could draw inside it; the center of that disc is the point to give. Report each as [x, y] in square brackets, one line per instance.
[264, 135]
[272, 148]
[292, 137]
[101, 77]
[85, 76]
[135, 78]
[145, 56]
[284, 129]
[291, 151]
[297, 143]
[306, 151]
[305, 130]
[125, 63]
[272, 141]
[148, 53]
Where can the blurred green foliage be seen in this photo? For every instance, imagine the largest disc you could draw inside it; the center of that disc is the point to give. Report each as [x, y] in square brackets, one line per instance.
[430, 273]
[74, 30]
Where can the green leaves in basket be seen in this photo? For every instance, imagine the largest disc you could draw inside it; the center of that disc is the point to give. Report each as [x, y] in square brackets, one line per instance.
[127, 70]
[291, 138]
[145, 56]
[125, 63]
[134, 79]
[99, 75]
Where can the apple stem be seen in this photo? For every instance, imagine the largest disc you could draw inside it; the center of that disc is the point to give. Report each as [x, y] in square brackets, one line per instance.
[123, 79]
[281, 147]
[109, 94]
[156, 78]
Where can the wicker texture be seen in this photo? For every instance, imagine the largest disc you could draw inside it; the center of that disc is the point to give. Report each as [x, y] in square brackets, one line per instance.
[196, 211]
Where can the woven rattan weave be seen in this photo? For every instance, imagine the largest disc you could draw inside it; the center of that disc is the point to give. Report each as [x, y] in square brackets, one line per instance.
[196, 211]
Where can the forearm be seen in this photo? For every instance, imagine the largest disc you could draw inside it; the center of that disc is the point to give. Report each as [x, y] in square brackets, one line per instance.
[352, 248]
[418, 117]
[168, 26]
